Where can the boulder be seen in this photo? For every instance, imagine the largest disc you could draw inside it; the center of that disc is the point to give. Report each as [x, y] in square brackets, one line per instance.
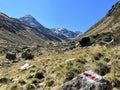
[39, 75]
[72, 47]
[16, 60]
[107, 39]
[11, 55]
[26, 66]
[5, 80]
[96, 36]
[85, 41]
[27, 54]
[5, 63]
[87, 81]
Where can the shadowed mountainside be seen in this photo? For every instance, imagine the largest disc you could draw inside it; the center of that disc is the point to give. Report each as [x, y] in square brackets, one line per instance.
[61, 33]
[14, 33]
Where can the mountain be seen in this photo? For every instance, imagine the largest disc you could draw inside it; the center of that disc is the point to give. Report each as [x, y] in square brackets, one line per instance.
[67, 33]
[32, 22]
[107, 28]
[60, 67]
[15, 33]
[61, 33]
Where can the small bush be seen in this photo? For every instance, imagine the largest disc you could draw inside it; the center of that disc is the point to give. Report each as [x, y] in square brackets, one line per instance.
[14, 86]
[70, 74]
[22, 82]
[102, 69]
[35, 81]
[49, 81]
[30, 87]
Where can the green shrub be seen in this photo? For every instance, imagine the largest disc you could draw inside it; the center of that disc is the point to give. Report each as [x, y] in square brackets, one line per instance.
[34, 81]
[30, 87]
[13, 86]
[102, 69]
[49, 81]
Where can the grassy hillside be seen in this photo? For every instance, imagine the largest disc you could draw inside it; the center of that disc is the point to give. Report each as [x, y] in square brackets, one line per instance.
[59, 68]
[107, 26]
[14, 33]
[55, 64]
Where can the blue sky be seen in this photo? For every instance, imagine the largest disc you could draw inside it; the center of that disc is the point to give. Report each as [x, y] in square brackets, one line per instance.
[72, 14]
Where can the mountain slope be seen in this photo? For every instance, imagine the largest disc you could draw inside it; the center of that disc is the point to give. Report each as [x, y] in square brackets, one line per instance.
[30, 21]
[14, 32]
[61, 33]
[67, 33]
[107, 26]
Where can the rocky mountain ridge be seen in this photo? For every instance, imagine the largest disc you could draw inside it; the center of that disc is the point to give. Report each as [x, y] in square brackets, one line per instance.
[61, 33]
[68, 33]
[14, 33]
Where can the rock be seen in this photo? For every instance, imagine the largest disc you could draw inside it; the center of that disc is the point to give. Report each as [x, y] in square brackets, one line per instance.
[25, 66]
[87, 81]
[39, 75]
[11, 55]
[27, 54]
[85, 42]
[96, 36]
[22, 82]
[107, 40]
[39, 45]
[40, 85]
[77, 44]
[5, 80]
[16, 60]
[25, 47]
[72, 47]
[18, 50]
[71, 59]
[5, 63]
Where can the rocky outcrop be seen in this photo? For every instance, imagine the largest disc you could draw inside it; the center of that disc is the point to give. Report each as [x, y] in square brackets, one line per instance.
[85, 41]
[11, 55]
[5, 80]
[27, 54]
[87, 81]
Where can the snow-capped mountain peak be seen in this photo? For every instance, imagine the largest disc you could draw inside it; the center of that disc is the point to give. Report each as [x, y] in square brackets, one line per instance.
[61, 33]
[31, 21]
[67, 33]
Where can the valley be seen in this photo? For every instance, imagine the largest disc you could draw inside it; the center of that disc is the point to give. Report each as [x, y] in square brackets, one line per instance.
[34, 57]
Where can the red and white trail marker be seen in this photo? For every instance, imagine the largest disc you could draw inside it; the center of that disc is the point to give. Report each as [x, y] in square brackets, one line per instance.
[91, 76]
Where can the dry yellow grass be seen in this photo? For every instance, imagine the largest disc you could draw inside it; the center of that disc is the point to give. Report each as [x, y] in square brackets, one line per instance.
[60, 68]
